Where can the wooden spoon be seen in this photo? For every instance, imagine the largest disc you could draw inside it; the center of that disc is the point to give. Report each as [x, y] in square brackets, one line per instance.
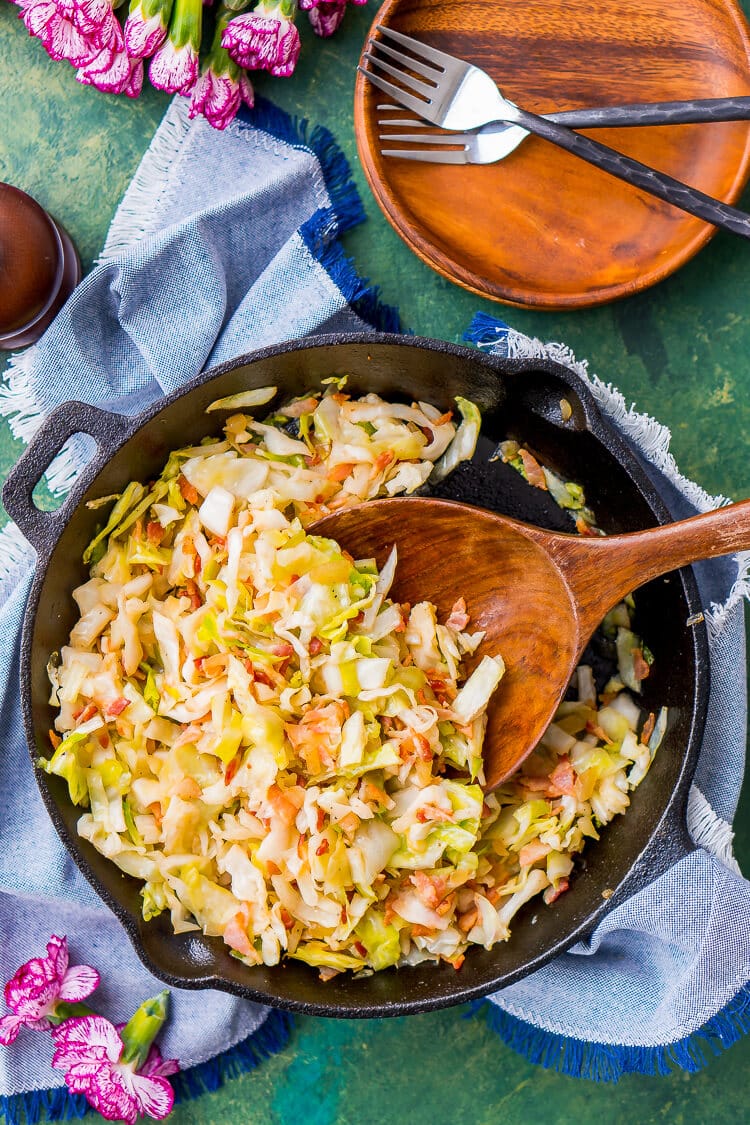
[538, 595]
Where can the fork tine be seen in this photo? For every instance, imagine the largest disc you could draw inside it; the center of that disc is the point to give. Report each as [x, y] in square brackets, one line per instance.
[407, 79]
[413, 64]
[395, 92]
[429, 156]
[426, 138]
[410, 122]
[438, 57]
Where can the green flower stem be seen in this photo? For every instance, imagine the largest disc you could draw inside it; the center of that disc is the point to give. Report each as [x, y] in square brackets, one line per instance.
[141, 1030]
[185, 26]
[151, 8]
[286, 9]
[65, 1011]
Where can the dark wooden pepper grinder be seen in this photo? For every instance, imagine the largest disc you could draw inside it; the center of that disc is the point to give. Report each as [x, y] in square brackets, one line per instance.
[39, 268]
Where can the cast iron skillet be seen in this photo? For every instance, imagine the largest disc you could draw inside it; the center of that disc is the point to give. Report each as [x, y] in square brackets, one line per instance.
[519, 398]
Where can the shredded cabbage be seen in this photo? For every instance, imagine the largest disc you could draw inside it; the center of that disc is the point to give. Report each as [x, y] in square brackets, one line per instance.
[285, 756]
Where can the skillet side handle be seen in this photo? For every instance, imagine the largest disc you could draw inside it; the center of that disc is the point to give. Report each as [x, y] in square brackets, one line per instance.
[42, 528]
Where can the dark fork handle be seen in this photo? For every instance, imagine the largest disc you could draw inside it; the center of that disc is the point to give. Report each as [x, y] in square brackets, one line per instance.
[633, 172]
[655, 113]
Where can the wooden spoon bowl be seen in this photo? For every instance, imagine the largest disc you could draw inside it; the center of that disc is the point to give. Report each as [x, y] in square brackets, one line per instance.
[537, 595]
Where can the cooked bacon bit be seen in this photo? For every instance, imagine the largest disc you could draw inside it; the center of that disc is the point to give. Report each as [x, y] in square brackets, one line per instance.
[323, 847]
[432, 889]
[535, 784]
[640, 667]
[584, 528]
[349, 823]
[285, 803]
[54, 738]
[235, 935]
[304, 406]
[421, 931]
[444, 691]
[421, 697]
[193, 593]
[87, 713]
[493, 895]
[155, 810]
[281, 648]
[138, 530]
[231, 771]
[373, 792]
[388, 912]
[273, 869]
[340, 472]
[189, 492]
[533, 470]
[320, 821]
[648, 727]
[468, 920]
[116, 707]
[286, 919]
[189, 789]
[446, 906]
[533, 852]
[430, 812]
[383, 460]
[154, 532]
[213, 665]
[553, 893]
[315, 646]
[594, 728]
[326, 973]
[458, 618]
[563, 779]
[456, 962]
[441, 421]
[360, 949]
[486, 810]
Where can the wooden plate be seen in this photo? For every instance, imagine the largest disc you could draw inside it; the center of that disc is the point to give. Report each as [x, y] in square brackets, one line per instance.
[542, 228]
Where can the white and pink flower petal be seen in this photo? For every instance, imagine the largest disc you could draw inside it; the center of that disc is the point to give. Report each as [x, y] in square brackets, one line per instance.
[154, 1095]
[174, 69]
[143, 35]
[85, 1039]
[78, 983]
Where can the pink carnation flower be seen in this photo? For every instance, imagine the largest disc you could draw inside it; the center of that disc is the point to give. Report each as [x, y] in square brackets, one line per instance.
[219, 96]
[35, 991]
[174, 69]
[52, 23]
[89, 1050]
[146, 30]
[95, 20]
[113, 72]
[260, 40]
[326, 15]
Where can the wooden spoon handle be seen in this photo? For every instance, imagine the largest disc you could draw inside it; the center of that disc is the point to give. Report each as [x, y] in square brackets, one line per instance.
[601, 571]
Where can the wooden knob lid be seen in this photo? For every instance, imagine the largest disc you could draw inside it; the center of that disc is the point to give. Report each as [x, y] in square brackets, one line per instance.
[39, 268]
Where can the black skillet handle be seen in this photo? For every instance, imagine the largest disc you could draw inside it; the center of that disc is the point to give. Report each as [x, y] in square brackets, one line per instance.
[42, 529]
[640, 175]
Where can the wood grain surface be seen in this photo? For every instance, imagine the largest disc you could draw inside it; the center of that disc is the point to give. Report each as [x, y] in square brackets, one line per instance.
[542, 228]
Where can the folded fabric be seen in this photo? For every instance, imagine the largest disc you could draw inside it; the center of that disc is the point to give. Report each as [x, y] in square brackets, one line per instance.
[224, 242]
[665, 975]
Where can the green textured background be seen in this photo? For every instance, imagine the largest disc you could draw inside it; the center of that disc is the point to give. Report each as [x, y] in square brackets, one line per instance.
[679, 351]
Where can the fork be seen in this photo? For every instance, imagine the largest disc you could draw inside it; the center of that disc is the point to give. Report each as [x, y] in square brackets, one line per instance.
[495, 141]
[459, 96]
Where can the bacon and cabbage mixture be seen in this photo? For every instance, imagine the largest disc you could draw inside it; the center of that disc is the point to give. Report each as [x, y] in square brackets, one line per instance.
[283, 755]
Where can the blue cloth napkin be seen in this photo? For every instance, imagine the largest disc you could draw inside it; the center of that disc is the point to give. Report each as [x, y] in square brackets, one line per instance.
[664, 977]
[224, 242]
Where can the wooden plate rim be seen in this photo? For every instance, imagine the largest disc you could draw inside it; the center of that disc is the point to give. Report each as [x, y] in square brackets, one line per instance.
[468, 279]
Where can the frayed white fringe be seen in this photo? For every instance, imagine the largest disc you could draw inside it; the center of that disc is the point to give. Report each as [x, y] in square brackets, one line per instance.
[709, 831]
[18, 401]
[144, 199]
[651, 437]
[16, 557]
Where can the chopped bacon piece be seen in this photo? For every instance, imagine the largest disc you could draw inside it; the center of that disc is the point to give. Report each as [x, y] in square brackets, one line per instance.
[468, 920]
[189, 789]
[189, 492]
[563, 778]
[154, 532]
[281, 648]
[553, 893]
[458, 618]
[155, 810]
[315, 646]
[323, 847]
[116, 707]
[648, 727]
[532, 468]
[432, 889]
[383, 460]
[584, 528]
[533, 852]
[349, 823]
[431, 812]
[273, 869]
[193, 593]
[285, 802]
[304, 406]
[360, 949]
[231, 771]
[54, 738]
[87, 713]
[340, 472]
[640, 667]
[103, 739]
[235, 935]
